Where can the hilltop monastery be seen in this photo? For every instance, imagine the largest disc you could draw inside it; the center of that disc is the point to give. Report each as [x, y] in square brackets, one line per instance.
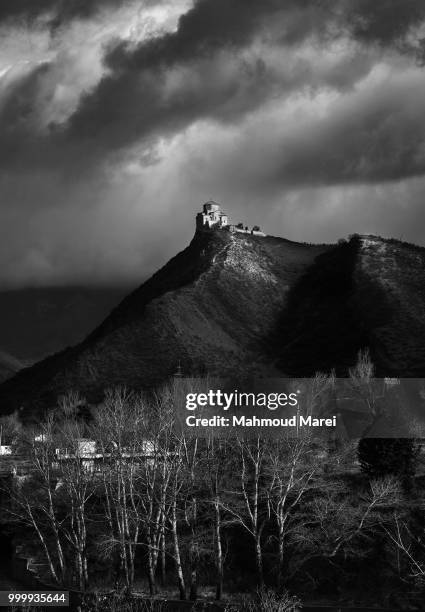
[213, 218]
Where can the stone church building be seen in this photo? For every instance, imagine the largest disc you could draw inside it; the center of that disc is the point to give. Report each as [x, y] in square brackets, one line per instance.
[212, 218]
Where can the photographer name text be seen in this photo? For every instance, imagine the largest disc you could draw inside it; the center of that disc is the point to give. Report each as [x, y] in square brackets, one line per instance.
[244, 421]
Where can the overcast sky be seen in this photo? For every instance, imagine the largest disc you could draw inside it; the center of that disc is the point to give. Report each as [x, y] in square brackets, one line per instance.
[119, 118]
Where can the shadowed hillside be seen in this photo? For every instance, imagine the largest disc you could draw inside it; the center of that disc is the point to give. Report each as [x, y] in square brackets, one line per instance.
[319, 329]
[390, 279]
[8, 366]
[242, 304]
[368, 292]
[211, 308]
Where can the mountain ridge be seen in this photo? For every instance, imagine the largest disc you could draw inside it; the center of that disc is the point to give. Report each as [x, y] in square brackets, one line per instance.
[201, 309]
[237, 304]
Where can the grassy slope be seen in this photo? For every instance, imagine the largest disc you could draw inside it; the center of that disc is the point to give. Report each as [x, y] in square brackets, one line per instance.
[211, 307]
[319, 329]
[367, 293]
[390, 279]
[242, 304]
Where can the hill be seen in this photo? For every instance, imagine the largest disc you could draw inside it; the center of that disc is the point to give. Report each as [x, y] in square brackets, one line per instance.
[211, 308]
[368, 292]
[242, 304]
[37, 322]
[8, 366]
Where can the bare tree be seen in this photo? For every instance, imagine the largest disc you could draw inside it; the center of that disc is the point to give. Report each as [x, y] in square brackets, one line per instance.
[28, 509]
[174, 495]
[10, 429]
[117, 432]
[341, 523]
[292, 464]
[409, 544]
[216, 475]
[43, 457]
[248, 503]
[77, 487]
[51, 498]
[156, 480]
[35, 499]
[369, 390]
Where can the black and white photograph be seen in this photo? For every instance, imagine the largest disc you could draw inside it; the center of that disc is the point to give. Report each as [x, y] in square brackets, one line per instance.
[212, 305]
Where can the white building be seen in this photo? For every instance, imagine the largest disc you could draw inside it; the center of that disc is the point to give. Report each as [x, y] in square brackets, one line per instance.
[211, 217]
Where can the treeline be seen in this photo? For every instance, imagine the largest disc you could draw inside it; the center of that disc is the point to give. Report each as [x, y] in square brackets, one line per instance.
[150, 503]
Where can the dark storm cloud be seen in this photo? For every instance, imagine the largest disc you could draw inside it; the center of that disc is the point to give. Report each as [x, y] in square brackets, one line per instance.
[386, 22]
[18, 111]
[24, 143]
[299, 109]
[59, 11]
[161, 86]
[130, 101]
[133, 101]
[208, 26]
[212, 23]
[217, 24]
[131, 107]
[372, 136]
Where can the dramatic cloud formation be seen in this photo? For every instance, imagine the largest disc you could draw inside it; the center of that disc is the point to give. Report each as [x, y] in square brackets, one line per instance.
[117, 116]
[56, 11]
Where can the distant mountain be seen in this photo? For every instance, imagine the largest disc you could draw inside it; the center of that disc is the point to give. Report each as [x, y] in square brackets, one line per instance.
[8, 366]
[37, 322]
[242, 304]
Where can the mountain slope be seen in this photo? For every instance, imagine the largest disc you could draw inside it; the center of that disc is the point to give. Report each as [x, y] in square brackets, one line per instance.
[236, 303]
[391, 287]
[367, 293]
[212, 308]
[8, 366]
